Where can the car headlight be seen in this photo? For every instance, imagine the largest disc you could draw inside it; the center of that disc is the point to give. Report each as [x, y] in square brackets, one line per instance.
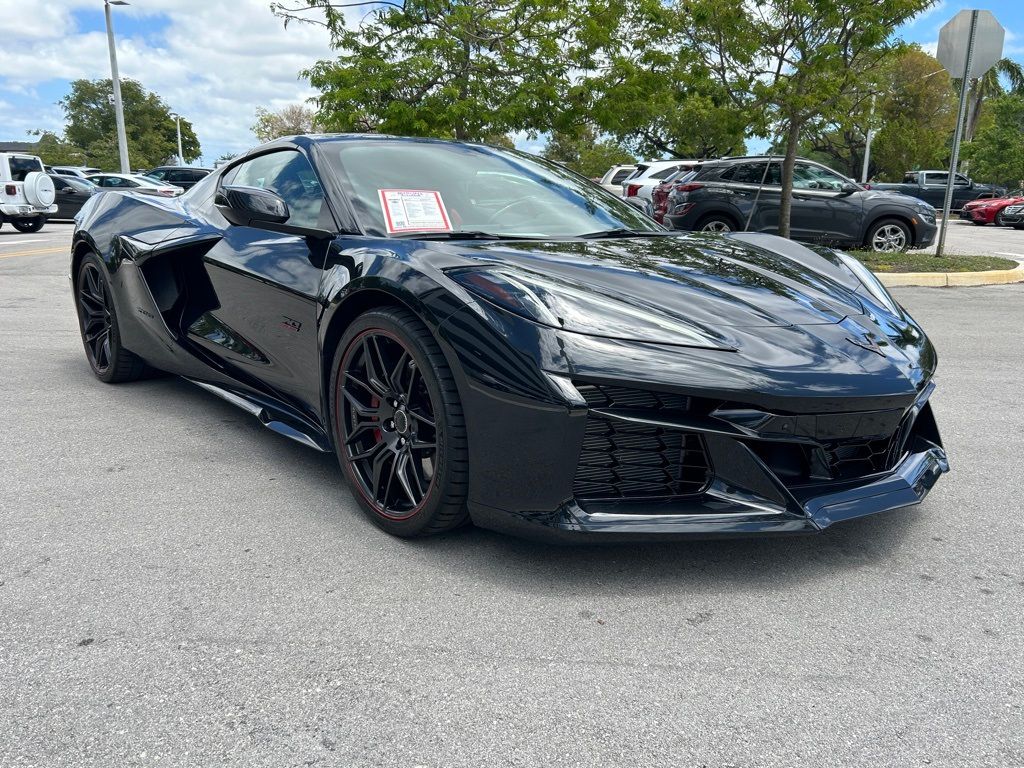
[871, 282]
[927, 213]
[569, 307]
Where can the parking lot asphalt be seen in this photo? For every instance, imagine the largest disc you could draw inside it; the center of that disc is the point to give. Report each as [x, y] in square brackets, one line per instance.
[180, 587]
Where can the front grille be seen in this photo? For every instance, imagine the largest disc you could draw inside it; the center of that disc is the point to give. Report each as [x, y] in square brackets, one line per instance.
[605, 396]
[629, 460]
[853, 458]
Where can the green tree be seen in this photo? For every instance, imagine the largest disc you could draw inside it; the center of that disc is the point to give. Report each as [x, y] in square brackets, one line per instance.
[151, 132]
[52, 150]
[291, 120]
[584, 153]
[997, 152]
[987, 87]
[790, 62]
[465, 70]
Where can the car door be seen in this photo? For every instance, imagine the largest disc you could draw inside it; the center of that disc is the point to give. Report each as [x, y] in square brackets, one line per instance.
[933, 190]
[264, 327]
[67, 198]
[821, 211]
[750, 191]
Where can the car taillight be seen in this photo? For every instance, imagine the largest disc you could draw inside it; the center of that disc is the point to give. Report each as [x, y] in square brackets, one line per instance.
[691, 187]
[10, 189]
[165, 192]
[632, 189]
[866, 186]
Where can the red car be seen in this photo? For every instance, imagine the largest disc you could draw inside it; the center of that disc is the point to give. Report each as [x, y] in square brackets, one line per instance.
[659, 195]
[989, 210]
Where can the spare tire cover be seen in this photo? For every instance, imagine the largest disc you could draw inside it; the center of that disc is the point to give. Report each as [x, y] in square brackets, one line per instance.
[39, 189]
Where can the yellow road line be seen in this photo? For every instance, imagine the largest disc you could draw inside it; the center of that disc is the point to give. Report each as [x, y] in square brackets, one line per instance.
[64, 249]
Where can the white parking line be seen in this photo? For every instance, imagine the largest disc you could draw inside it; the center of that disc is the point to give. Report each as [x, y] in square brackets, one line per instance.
[1014, 255]
[25, 240]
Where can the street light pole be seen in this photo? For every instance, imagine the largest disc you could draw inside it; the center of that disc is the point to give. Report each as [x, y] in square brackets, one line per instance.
[177, 122]
[122, 137]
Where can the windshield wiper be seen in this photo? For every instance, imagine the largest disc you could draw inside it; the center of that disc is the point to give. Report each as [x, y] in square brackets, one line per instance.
[469, 234]
[619, 232]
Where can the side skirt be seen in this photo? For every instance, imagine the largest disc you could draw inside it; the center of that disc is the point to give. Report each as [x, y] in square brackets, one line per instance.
[274, 417]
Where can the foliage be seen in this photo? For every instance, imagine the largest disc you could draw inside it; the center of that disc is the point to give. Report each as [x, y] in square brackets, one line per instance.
[288, 121]
[916, 112]
[465, 70]
[583, 153]
[919, 261]
[790, 62]
[52, 150]
[152, 137]
[997, 152]
[987, 87]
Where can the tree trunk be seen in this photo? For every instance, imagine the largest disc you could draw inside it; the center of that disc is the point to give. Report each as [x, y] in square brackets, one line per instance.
[792, 141]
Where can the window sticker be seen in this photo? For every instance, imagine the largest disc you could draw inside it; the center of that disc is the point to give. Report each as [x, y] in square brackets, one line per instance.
[414, 210]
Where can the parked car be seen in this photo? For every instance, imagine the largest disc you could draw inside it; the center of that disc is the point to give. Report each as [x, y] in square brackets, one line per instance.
[71, 194]
[614, 176]
[139, 184]
[647, 176]
[26, 192]
[440, 315]
[81, 171]
[182, 176]
[1013, 216]
[659, 195]
[930, 186]
[826, 207]
[990, 210]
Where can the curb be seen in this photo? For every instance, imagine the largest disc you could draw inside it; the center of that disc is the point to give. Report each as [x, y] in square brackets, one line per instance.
[950, 279]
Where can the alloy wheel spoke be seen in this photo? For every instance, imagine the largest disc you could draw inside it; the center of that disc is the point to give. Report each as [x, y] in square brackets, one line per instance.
[422, 419]
[375, 368]
[362, 410]
[377, 471]
[403, 479]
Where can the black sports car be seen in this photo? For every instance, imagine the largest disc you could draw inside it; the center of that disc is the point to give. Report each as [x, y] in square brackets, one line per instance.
[479, 334]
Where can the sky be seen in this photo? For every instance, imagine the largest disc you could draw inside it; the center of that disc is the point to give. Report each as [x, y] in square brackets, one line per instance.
[216, 61]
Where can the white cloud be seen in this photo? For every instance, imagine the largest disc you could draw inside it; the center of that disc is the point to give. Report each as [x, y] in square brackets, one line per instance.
[214, 62]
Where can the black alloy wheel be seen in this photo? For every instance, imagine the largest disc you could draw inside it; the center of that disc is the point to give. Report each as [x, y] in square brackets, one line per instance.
[398, 425]
[97, 321]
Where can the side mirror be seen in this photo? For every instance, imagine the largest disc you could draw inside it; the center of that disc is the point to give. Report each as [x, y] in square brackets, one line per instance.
[849, 189]
[250, 206]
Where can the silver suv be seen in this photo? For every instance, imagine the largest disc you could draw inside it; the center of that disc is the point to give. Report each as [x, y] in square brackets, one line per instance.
[26, 192]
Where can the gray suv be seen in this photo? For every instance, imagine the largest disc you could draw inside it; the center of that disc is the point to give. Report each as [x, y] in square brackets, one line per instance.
[723, 195]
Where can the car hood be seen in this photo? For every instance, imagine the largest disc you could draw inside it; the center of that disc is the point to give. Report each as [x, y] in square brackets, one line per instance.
[707, 280]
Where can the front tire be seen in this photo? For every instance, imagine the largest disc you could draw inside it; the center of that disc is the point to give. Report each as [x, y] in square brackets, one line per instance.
[999, 220]
[97, 320]
[888, 236]
[29, 225]
[398, 425]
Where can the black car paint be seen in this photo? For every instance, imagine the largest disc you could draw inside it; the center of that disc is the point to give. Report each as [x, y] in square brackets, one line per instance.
[822, 216]
[261, 313]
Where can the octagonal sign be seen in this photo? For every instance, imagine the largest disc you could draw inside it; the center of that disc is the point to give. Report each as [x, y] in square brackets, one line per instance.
[954, 40]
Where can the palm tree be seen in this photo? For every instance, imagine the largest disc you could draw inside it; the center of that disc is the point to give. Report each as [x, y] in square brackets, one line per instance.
[989, 86]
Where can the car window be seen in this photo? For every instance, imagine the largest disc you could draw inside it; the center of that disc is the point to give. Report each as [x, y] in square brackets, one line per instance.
[753, 173]
[664, 173]
[23, 166]
[621, 175]
[405, 187]
[816, 177]
[59, 184]
[82, 185]
[960, 180]
[933, 179]
[174, 176]
[288, 174]
[63, 172]
[157, 174]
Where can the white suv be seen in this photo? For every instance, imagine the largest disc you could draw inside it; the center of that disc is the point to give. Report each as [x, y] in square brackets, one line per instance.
[650, 174]
[26, 192]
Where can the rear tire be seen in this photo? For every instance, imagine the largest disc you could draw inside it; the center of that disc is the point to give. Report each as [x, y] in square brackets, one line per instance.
[407, 464]
[999, 220]
[29, 225]
[716, 223]
[97, 320]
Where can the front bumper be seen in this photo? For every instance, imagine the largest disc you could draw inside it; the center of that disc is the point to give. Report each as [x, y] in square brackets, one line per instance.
[926, 232]
[719, 516]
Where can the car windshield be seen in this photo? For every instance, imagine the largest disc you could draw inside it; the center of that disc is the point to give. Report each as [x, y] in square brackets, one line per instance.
[81, 185]
[405, 188]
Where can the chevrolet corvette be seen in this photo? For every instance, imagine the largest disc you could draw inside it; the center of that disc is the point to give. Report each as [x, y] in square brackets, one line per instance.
[481, 335]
